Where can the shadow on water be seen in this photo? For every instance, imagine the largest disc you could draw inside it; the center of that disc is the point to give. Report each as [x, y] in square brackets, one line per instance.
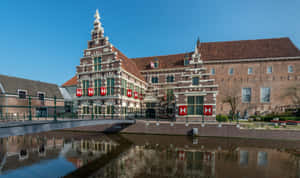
[87, 154]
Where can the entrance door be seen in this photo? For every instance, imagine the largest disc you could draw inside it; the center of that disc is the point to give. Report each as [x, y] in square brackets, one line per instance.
[150, 113]
[41, 112]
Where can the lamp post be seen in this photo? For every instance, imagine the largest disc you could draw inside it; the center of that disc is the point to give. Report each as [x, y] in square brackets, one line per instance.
[29, 103]
[55, 117]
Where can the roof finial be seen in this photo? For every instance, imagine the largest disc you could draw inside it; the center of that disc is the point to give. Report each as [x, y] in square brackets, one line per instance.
[196, 49]
[97, 23]
[198, 42]
[97, 16]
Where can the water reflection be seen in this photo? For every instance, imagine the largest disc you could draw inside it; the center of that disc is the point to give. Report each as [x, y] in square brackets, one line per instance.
[163, 156]
[21, 152]
[146, 156]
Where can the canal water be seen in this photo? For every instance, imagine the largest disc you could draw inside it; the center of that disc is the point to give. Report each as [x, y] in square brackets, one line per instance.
[74, 154]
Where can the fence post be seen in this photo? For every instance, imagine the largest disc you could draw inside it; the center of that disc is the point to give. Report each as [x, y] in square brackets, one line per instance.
[29, 102]
[55, 117]
[92, 113]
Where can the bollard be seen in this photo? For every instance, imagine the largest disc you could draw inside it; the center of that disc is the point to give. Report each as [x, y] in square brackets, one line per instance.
[195, 132]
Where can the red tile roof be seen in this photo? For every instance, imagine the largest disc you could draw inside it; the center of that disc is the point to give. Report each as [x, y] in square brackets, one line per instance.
[128, 64]
[229, 50]
[71, 82]
[245, 49]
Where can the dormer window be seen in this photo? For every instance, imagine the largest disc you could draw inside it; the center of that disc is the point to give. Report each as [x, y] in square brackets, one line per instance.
[22, 94]
[186, 60]
[41, 96]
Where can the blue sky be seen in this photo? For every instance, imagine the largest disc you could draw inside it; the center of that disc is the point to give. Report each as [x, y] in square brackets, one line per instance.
[44, 40]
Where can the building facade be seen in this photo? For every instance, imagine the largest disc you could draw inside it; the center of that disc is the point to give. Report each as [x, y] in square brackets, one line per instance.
[258, 72]
[20, 98]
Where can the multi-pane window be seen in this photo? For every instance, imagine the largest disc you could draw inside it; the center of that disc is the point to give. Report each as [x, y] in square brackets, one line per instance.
[97, 87]
[123, 87]
[85, 86]
[269, 69]
[97, 109]
[170, 95]
[195, 105]
[110, 109]
[230, 71]
[142, 92]
[131, 87]
[97, 63]
[290, 69]
[186, 62]
[170, 78]
[154, 79]
[246, 95]
[22, 94]
[250, 70]
[195, 81]
[265, 94]
[155, 64]
[41, 97]
[110, 86]
[85, 110]
[137, 89]
[124, 110]
[212, 71]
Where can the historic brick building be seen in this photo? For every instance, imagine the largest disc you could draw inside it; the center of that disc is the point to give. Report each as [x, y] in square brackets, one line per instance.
[18, 96]
[256, 71]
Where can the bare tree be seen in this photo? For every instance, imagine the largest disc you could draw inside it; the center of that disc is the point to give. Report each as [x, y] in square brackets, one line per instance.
[233, 98]
[293, 93]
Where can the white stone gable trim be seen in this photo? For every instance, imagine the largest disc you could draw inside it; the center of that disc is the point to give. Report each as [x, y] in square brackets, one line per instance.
[2, 88]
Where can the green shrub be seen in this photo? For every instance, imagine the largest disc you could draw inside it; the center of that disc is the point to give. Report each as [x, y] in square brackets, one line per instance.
[222, 118]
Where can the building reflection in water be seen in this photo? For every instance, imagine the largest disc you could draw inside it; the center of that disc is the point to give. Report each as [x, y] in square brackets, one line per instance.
[160, 159]
[21, 151]
[156, 156]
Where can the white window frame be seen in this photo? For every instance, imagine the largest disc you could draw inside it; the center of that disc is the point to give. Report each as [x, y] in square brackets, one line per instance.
[290, 67]
[24, 91]
[261, 97]
[230, 70]
[271, 67]
[250, 70]
[243, 95]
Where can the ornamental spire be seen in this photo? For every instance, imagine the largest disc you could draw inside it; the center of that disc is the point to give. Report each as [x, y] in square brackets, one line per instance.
[197, 46]
[198, 42]
[97, 23]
